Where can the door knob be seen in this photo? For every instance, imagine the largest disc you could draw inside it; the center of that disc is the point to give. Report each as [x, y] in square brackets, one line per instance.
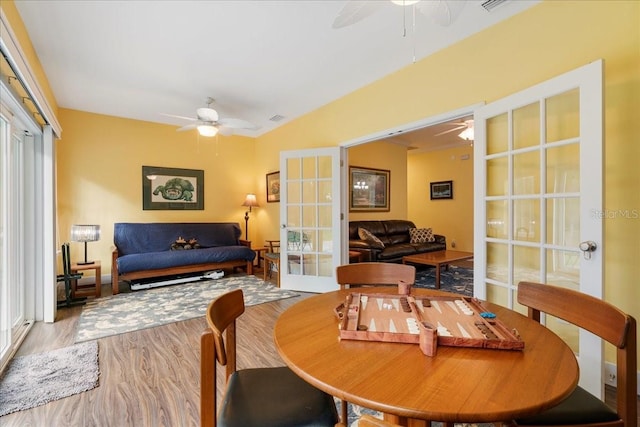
[587, 247]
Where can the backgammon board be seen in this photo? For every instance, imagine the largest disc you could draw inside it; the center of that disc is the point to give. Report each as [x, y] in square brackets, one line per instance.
[426, 320]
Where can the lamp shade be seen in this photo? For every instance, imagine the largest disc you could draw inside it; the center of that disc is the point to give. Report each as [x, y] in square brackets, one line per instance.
[85, 233]
[251, 201]
[207, 130]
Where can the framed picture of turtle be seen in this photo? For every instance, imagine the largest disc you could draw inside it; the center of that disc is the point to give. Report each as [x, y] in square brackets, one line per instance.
[172, 189]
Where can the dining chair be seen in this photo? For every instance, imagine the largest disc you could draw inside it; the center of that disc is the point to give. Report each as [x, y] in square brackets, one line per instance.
[609, 323]
[272, 261]
[68, 277]
[257, 397]
[374, 274]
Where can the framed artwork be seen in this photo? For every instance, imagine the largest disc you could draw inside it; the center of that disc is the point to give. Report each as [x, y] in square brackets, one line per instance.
[368, 189]
[273, 187]
[442, 190]
[172, 189]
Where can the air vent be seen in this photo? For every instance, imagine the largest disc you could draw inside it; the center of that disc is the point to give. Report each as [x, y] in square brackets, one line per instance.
[276, 118]
[489, 5]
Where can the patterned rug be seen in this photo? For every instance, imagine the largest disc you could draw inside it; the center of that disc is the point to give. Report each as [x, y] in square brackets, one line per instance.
[133, 311]
[454, 279]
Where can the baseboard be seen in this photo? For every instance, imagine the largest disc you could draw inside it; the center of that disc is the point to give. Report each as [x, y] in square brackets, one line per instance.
[611, 379]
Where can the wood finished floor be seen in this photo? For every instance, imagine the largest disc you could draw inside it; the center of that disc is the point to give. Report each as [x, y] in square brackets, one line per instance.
[148, 377]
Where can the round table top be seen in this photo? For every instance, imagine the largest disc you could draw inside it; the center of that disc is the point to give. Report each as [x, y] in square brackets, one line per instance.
[458, 384]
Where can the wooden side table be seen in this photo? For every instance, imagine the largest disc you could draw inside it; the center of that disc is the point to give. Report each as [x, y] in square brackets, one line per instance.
[87, 290]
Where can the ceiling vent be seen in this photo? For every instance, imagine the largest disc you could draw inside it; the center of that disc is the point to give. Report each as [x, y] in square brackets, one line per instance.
[276, 118]
[489, 5]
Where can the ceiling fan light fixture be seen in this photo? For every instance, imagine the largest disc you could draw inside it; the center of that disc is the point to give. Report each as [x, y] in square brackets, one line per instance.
[207, 130]
[467, 134]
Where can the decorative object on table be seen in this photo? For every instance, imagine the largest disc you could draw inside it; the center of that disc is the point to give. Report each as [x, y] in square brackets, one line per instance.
[37, 379]
[128, 312]
[172, 189]
[85, 233]
[368, 189]
[441, 190]
[273, 187]
[431, 322]
[251, 202]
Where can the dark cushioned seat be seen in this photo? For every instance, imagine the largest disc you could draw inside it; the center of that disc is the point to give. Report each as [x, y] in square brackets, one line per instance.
[581, 407]
[281, 392]
[395, 236]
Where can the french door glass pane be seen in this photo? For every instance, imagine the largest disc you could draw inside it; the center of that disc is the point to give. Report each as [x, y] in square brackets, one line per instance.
[563, 169]
[498, 134]
[497, 176]
[526, 126]
[563, 116]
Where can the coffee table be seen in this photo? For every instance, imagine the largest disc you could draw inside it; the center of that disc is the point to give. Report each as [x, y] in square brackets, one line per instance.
[437, 259]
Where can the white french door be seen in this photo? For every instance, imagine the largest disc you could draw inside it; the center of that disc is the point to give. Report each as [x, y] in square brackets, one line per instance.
[310, 218]
[538, 199]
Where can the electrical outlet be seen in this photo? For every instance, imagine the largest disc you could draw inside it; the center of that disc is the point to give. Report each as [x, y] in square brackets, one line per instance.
[453, 244]
[610, 374]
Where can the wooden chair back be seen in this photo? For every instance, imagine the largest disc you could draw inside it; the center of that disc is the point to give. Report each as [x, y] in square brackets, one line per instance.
[221, 317]
[599, 318]
[374, 274]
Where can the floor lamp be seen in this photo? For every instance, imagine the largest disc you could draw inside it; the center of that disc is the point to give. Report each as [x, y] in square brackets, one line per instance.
[251, 202]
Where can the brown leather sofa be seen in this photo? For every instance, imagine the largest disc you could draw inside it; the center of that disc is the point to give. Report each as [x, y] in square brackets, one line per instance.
[396, 241]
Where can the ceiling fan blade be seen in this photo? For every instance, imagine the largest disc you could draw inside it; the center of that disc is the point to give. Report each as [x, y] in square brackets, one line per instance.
[451, 130]
[442, 12]
[187, 127]
[191, 119]
[355, 11]
[237, 124]
[225, 131]
[207, 114]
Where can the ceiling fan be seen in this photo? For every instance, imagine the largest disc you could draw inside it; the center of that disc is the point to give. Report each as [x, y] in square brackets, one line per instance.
[208, 123]
[442, 12]
[466, 134]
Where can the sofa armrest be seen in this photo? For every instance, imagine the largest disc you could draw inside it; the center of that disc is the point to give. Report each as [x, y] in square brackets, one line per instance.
[246, 243]
[440, 239]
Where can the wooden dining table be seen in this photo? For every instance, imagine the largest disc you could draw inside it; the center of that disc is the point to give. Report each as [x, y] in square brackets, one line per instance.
[458, 384]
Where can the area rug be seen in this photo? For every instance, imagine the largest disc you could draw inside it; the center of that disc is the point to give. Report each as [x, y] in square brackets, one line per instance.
[133, 311]
[354, 412]
[454, 279]
[37, 379]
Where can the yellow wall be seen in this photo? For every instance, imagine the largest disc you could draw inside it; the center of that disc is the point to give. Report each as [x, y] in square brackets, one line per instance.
[391, 157]
[100, 163]
[451, 218]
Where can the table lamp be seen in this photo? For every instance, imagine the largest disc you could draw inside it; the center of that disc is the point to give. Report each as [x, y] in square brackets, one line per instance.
[85, 233]
[249, 201]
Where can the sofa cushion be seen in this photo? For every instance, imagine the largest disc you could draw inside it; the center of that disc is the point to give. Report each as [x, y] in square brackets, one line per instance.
[135, 238]
[421, 235]
[169, 259]
[365, 234]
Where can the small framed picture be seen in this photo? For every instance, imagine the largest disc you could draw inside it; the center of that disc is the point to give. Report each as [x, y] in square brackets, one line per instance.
[172, 189]
[273, 187]
[368, 189]
[442, 190]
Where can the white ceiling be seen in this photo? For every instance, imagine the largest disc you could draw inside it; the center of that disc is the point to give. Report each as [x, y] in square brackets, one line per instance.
[140, 59]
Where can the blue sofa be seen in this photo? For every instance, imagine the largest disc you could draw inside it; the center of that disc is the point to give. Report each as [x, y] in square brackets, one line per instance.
[143, 250]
